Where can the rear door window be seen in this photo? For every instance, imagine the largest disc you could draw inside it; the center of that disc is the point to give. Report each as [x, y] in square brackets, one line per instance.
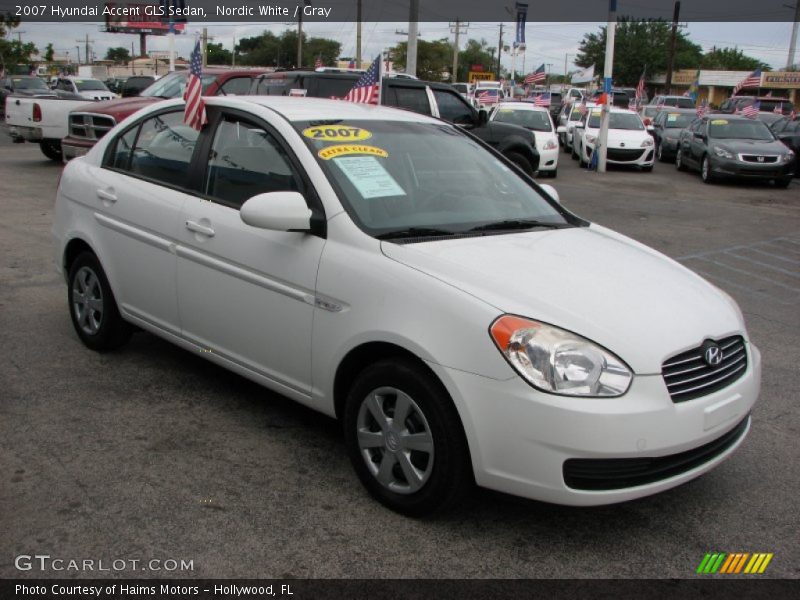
[411, 98]
[236, 86]
[164, 149]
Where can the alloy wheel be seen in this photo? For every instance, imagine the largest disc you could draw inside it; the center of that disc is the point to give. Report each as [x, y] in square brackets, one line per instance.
[87, 300]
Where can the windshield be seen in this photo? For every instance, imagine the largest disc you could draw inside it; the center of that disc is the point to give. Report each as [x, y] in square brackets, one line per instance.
[172, 86]
[430, 176]
[725, 129]
[628, 121]
[530, 119]
[90, 85]
[678, 120]
[28, 83]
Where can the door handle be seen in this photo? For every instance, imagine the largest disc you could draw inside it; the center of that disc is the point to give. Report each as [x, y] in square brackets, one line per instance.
[197, 228]
[107, 195]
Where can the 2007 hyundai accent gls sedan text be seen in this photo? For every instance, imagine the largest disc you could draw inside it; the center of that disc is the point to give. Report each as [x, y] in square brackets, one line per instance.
[390, 270]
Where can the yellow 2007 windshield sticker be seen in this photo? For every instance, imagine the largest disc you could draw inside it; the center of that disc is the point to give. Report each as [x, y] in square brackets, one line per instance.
[337, 133]
[344, 149]
[719, 122]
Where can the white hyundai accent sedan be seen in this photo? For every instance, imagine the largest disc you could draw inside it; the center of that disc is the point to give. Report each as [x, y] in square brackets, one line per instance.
[392, 271]
[629, 142]
[537, 119]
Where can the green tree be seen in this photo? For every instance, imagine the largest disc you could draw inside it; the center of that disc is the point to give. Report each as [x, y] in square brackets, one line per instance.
[49, 52]
[639, 45]
[731, 59]
[475, 53]
[434, 59]
[15, 56]
[268, 49]
[216, 54]
[118, 55]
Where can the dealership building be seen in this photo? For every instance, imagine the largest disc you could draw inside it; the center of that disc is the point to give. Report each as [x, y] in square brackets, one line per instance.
[717, 86]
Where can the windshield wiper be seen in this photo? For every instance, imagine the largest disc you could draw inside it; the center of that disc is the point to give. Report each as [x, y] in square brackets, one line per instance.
[517, 224]
[412, 232]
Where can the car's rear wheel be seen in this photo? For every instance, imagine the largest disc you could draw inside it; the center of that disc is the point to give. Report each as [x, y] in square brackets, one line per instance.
[405, 440]
[705, 171]
[51, 150]
[522, 162]
[679, 161]
[92, 306]
[574, 153]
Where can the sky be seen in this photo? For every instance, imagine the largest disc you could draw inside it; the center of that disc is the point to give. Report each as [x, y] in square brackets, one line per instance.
[549, 43]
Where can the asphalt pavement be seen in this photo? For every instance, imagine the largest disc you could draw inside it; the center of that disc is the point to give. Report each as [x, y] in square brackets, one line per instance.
[150, 452]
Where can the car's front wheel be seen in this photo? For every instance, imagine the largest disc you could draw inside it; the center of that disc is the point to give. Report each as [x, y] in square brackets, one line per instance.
[92, 306]
[522, 162]
[705, 171]
[679, 161]
[783, 183]
[405, 439]
[51, 149]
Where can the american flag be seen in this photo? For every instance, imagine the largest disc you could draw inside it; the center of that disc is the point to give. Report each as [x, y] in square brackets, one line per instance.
[318, 63]
[367, 88]
[751, 111]
[542, 99]
[535, 77]
[639, 96]
[489, 96]
[751, 81]
[703, 109]
[194, 115]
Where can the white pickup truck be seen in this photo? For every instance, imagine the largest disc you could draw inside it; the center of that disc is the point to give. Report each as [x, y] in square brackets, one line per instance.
[41, 120]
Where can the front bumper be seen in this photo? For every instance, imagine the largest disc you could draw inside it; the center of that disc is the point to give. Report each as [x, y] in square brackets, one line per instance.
[72, 147]
[731, 167]
[637, 157]
[548, 159]
[521, 439]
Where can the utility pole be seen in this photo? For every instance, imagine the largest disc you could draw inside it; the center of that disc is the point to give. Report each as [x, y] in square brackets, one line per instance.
[78, 48]
[790, 62]
[204, 45]
[499, 51]
[608, 74]
[86, 54]
[233, 53]
[358, 33]
[19, 35]
[563, 87]
[673, 40]
[413, 23]
[300, 34]
[456, 28]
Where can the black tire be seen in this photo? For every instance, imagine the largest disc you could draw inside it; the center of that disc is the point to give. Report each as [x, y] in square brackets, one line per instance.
[705, 170]
[552, 174]
[51, 149]
[574, 153]
[679, 161]
[648, 169]
[101, 329]
[660, 154]
[522, 162]
[447, 479]
[783, 183]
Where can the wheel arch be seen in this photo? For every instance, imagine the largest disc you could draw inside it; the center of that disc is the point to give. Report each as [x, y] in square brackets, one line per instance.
[72, 250]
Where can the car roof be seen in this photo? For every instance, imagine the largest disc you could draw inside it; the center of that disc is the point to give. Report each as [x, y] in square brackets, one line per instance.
[517, 104]
[316, 109]
[678, 109]
[727, 117]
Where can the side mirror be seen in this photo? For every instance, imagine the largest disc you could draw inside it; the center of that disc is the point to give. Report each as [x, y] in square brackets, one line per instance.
[550, 191]
[483, 116]
[561, 129]
[650, 128]
[277, 211]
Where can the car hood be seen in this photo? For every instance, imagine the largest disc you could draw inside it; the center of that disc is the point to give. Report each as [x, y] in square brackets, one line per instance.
[121, 107]
[750, 146]
[634, 301]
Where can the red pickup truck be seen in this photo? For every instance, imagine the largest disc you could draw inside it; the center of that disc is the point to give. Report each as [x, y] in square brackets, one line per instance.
[88, 124]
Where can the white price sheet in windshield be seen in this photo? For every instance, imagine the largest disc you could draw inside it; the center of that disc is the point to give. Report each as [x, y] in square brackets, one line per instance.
[369, 177]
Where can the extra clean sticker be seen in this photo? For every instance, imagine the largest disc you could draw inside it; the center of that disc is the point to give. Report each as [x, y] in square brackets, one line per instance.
[344, 149]
[719, 122]
[337, 133]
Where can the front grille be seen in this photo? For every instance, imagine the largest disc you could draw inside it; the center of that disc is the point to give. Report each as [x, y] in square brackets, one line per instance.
[89, 126]
[598, 474]
[753, 158]
[624, 154]
[688, 376]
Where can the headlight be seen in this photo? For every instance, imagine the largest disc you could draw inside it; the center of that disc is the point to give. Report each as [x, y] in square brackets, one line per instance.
[549, 145]
[722, 152]
[557, 361]
[788, 156]
[590, 138]
[647, 143]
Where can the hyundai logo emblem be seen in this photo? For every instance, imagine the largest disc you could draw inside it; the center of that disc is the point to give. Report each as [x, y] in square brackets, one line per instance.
[622, 144]
[712, 355]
